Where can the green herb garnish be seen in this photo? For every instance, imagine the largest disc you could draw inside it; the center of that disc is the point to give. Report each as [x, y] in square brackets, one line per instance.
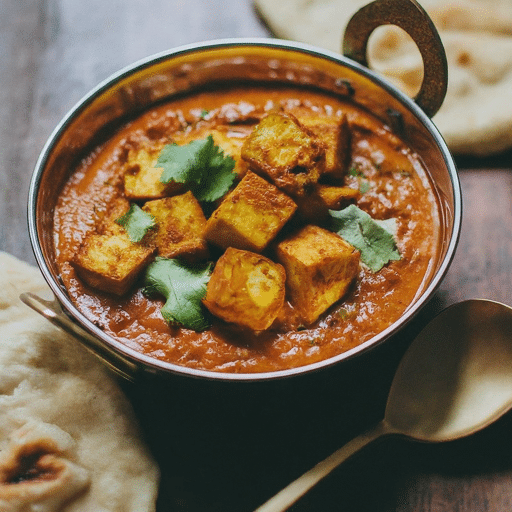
[184, 287]
[201, 164]
[348, 312]
[374, 239]
[364, 187]
[343, 313]
[356, 172]
[136, 222]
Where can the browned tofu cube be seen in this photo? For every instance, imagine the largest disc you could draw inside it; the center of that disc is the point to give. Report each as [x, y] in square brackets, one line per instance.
[231, 141]
[250, 216]
[142, 178]
[315, 206]
[180, 226]
[335, 134]
[319, 267]
[280, 148]
[311, 208]
[246, 289]
[336, 198]
[111, 262]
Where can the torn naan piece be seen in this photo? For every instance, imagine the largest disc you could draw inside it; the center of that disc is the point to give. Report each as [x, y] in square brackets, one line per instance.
[35, 470]
[69, 440]
[476, 116]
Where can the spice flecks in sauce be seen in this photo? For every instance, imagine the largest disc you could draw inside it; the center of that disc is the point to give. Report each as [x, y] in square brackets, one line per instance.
[392, 183]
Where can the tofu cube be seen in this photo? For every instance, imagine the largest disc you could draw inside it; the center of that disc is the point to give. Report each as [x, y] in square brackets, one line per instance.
[231, 143]
[246, 289]
[320, 267]
[280, 148]
[250, 216]
[315, 206]
[142, 178]
[180, 227]
[334, 132]
[336, 198]
[111, 262]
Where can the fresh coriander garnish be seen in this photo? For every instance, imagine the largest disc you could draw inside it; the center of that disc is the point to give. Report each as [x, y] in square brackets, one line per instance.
[201, 164]
[364, 187]
[356, 172]
[315, 339]
[136, 222]
[347, 312]
[373, 239]
[184, 287]
[203, 113]
[343, 313]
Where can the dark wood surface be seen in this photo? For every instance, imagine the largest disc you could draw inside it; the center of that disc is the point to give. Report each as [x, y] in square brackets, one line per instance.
[228, 448]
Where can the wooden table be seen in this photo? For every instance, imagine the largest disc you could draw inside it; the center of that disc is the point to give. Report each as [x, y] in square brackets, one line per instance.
[225, 448]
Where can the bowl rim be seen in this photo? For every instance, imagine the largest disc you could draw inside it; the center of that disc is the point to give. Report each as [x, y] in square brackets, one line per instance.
[152, 365]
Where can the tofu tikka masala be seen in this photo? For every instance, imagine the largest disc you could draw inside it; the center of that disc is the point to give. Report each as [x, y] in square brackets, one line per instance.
[247, 229]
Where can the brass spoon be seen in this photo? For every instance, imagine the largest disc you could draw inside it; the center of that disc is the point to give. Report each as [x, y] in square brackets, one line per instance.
[455, 379]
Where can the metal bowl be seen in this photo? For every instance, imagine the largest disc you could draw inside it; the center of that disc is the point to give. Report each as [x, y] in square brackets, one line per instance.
[190, 68]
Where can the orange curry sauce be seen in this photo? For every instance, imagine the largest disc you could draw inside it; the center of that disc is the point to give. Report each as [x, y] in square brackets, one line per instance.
[392, 181]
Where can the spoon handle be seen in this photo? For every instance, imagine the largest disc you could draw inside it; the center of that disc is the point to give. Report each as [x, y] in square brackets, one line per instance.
[291, 493]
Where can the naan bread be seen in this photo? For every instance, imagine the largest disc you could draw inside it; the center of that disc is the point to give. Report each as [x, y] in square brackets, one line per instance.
[69, 440]
[476, 116]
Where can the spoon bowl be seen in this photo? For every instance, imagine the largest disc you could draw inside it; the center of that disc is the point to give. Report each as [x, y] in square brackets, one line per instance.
[454, 380]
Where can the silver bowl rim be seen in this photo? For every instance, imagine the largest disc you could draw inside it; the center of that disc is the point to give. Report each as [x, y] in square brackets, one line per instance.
[153, 365]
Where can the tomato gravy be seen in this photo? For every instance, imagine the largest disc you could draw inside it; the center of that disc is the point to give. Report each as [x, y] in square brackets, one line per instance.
[389, 176]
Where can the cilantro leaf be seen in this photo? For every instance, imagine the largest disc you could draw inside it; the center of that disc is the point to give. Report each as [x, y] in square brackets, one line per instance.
[390, 225]
[201, 164]
[364, 187]
[136, 222]
[217, 179]
[374, 239]
[183, 287]
[184, 163]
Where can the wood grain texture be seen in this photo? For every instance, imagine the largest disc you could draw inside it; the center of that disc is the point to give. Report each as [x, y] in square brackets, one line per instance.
[482, 265]
[230, 448]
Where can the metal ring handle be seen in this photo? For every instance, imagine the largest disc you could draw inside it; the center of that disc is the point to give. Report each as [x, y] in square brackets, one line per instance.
[411, 17]
[53, 313]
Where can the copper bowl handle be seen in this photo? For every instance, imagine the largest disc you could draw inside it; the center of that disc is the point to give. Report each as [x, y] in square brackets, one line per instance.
[411, 17]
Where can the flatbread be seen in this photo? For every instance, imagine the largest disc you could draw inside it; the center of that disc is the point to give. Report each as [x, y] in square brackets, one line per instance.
[476, 116]
[69, 440]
